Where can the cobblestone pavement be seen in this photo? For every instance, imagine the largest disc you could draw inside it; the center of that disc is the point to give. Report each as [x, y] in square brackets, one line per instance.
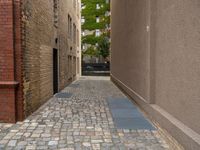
[80, 122]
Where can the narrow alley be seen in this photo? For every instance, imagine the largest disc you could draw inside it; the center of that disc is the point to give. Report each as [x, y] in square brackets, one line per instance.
[81, 120]
[147, 50]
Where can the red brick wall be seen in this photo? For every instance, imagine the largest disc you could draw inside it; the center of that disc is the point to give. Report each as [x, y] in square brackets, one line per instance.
[6, 41]
[11, 96]
[18, 60]
[26, 51]
[7, 105]
[7, 91]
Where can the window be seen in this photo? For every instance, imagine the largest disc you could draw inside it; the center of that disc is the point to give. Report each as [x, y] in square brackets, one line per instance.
[107, 13]
[77, 37]
[74, 33]
[97, 6]
[68, 23]
[83, 6]
[82, 20]
[69, 26]
[78, 9]
[78, 65]
[74, 66]
[83, 33]
[55, 11]
[70, 67]
[97, 19]
[74, 3]
[83, 47]
[97, 32]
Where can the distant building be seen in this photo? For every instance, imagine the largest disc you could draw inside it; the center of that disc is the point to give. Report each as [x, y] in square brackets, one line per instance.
[95, 25]
[40, 53]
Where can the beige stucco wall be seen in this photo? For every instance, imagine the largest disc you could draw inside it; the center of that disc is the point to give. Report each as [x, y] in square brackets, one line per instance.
[129, 45]
[156, 59]
[177, 59]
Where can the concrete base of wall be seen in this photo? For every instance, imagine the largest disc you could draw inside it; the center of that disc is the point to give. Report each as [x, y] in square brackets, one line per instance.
[189, 139]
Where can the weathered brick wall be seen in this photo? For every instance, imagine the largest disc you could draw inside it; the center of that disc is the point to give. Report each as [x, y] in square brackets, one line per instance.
[64, 45]
[37, 53]
[7, 77]
[68, 49]
[39, 39]
[27, 40]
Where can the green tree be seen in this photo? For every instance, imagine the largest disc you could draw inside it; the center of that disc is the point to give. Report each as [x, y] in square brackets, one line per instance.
[103, 47]
[91, 51]
[90, 13]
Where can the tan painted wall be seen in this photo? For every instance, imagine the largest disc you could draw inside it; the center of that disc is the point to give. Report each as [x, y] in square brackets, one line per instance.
[129, 45]
[177, 59]
[156, 57]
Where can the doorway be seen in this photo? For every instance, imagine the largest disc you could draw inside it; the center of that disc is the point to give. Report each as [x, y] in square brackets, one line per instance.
[55, 71]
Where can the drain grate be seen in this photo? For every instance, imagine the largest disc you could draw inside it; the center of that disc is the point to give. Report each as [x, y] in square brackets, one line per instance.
[74, 85]
[63, 95]
[126, 115]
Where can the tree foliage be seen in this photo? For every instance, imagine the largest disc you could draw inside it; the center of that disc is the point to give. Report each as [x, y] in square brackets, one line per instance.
[104, 47]
[91, 51]
[91, 39]
[90, 13]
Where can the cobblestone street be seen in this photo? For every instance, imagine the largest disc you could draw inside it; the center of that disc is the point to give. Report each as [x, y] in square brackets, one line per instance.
[82, 121]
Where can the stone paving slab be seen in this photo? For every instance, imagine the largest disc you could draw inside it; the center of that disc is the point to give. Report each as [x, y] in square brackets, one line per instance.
[126, 113]
[74, 85]
[63, 95]
[127, 116]
[120, 103]
[136, 123]
[81, 122]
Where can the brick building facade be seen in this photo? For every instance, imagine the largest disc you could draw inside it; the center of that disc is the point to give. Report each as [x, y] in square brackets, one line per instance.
[39, 53]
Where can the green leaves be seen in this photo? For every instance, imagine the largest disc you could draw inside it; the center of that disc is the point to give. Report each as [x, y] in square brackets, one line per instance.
[91, 51]
[103, 47]
[90, 13]
[101, 50]
[91, 39]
